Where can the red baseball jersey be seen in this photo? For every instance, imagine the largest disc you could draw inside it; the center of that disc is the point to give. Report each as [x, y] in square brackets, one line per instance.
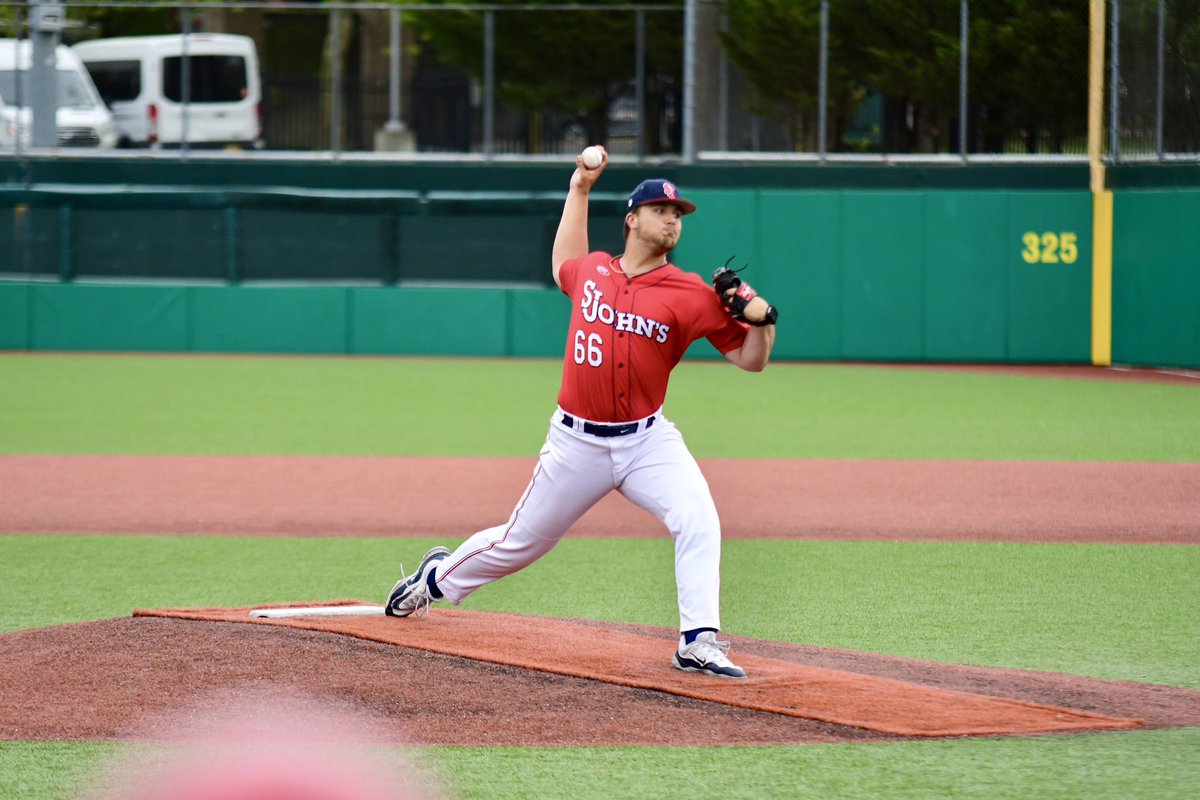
[627, 334]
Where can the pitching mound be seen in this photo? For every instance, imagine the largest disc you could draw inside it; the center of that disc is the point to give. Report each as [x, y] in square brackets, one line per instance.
[127, 670]
[562, 647]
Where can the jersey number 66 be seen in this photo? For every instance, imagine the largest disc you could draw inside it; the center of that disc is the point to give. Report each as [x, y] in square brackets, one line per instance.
[587, 347]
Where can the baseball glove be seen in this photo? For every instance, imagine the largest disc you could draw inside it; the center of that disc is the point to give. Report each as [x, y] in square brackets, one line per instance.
[725, 279]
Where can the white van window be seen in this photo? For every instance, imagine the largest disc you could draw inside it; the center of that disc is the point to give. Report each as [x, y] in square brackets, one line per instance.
[214, 79]
[72, 92]
[116, 80]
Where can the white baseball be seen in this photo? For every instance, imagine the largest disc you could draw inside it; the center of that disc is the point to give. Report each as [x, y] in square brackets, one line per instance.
[592, 156]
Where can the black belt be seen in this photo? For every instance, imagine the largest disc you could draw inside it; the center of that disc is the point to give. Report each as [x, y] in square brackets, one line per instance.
[596, 429]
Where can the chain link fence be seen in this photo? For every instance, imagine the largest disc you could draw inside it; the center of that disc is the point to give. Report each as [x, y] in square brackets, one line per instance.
[1156, 68]
[964, 77]
[827, 79]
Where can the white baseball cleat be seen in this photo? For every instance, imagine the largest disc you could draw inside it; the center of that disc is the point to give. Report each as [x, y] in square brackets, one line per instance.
[706, 654]
[412, 593]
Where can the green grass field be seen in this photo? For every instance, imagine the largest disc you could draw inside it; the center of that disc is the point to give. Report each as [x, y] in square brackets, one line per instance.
[327, 406]
[1109, 611]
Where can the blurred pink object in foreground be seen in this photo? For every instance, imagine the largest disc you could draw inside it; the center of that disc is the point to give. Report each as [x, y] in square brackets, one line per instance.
[266, 746]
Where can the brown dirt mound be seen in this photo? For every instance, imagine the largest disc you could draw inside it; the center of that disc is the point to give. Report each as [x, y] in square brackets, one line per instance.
[563, 647]
[103, 680]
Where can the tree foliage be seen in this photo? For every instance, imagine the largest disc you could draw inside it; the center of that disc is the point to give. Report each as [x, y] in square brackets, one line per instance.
[574, 62]
[1027, 63]
[774, 42]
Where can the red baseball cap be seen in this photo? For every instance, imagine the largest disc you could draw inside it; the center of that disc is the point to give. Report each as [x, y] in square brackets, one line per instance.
[657, 190]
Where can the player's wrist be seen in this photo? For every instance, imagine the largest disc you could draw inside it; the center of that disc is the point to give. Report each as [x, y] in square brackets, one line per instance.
[769, 317]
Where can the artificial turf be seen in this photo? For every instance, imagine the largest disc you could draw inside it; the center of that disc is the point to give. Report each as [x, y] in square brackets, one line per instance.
[411, 406]
[1109, 611]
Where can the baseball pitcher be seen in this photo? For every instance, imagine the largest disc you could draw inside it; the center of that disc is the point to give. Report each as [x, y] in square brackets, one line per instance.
[633, 317]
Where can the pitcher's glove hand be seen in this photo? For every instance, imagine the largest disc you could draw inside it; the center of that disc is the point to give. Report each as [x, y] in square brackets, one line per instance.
[736, 294]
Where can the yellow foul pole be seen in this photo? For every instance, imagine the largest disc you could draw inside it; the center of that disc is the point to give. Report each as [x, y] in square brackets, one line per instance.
[1102, 199]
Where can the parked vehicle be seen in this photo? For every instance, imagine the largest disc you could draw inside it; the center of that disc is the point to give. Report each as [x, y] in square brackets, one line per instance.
[81, 118]
[141, 78]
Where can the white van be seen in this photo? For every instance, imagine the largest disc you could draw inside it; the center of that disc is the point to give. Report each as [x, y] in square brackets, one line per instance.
[141, 79]
[81, 118]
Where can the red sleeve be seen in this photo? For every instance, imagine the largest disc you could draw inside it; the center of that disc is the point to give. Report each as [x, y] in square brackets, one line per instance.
[730, 336]
[568, 273]
[715, 323]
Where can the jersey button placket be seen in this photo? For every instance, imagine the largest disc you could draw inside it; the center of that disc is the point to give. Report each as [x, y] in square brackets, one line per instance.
[622, 350]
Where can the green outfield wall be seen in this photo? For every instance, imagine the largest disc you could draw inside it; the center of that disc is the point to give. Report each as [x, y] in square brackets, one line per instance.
[954, 263]
[282, 319]
[1156, 277]
[911, 275]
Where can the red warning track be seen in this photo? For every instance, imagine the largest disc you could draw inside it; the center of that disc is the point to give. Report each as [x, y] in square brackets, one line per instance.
[840, 499]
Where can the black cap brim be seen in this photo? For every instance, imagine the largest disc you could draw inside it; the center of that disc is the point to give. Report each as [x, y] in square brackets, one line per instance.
[687, 206]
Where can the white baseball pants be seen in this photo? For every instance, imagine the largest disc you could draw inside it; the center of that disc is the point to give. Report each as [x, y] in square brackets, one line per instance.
[653, 468]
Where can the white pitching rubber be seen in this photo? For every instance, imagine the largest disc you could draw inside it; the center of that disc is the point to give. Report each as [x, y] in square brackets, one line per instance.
[318, 611]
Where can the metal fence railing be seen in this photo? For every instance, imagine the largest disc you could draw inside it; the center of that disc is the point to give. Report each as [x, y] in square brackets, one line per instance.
[827, 79]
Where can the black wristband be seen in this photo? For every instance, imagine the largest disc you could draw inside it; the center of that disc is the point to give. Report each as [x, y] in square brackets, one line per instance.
[769, 319]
